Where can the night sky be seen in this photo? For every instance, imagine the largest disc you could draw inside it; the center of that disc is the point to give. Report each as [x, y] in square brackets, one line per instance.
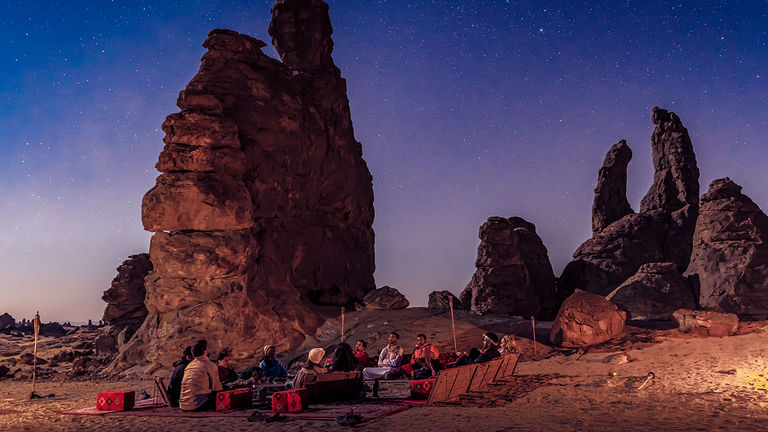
[465, 109]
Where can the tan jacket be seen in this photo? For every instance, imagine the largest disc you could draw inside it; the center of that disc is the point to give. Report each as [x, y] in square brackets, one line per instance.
[201, 376]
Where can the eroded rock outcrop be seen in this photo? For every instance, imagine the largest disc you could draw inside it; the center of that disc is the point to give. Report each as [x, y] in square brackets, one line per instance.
[706, 323]
[610, 202]
[653, 293]
[514, 275]
[729, 263]
[125, 309]
[7, 321]
[586, 319]
[385, 298]
[264, 208]
[441, 300]
[661, 232]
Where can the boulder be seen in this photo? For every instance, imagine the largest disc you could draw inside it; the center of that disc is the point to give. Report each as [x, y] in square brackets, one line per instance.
[440, 300]
[587, 319]
[7, 321]
[63, 356]
[263, 210]
[514, 275]
[385, 298]
[610, 202]
[729, 263]
[706, 323]
[654, 293]
[663, 229]
[29, 359]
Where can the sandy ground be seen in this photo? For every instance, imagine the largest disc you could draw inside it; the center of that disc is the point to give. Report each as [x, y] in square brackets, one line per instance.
[700, 384]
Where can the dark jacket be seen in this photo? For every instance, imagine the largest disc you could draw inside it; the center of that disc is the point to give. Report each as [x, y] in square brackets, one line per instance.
[226, 375]
[488, 355]
[174, 386]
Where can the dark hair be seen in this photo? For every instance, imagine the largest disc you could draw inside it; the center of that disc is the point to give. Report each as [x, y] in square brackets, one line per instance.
[187, 353]
[395, 333]
[222, 355]
[344, 359]
[365, 345]
[199, 348]
[421, 335]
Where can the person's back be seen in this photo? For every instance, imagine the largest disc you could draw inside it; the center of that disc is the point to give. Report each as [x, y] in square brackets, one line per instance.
[311, 367]
[201, 379]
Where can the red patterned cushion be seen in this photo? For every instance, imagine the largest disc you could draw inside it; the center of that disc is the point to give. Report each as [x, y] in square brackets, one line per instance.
[115, 401]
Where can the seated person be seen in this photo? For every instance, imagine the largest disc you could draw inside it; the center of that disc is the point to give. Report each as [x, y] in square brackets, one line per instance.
[344, 359]
[487, 353]
[508, 345]
[200, 382]
[362, 357]
[226, 373]
[425, 359]
[270, 367]
[313, 366]
[389, 360]
[174, 386]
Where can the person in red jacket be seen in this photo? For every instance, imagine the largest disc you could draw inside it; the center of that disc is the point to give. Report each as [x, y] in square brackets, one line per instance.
[424, 361]
[362, 357]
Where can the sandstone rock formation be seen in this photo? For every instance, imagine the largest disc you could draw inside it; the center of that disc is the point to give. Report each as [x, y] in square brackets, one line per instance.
[587, 319]
[654, 292]
[264, 208]
[514, 275]
[385, 298]
[661, 232]
[440, 300]
[125, 309]
[7, 321]
[706, 323]
[729, 263]
[610, 202]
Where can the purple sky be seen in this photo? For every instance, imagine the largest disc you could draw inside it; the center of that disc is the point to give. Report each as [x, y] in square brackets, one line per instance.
[466, 109]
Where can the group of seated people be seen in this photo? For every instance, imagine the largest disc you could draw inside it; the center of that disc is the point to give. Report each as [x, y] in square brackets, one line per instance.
[425, 360]
[196, 378]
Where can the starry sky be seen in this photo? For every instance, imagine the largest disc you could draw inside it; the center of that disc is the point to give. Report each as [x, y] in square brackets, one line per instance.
[465, 109]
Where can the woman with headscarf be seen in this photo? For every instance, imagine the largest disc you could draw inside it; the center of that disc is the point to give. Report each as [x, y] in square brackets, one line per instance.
[313, 366]
[269, 365]
[344, 359]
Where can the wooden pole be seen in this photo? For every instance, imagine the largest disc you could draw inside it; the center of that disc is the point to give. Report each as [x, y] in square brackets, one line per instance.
[533, 324]
[36, 325]
[342, 323]
[453, 325]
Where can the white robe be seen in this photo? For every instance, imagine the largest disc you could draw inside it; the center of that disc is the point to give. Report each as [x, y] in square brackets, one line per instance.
[389, 365]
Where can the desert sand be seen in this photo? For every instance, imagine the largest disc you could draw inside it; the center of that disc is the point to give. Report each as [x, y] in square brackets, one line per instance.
[700, 384]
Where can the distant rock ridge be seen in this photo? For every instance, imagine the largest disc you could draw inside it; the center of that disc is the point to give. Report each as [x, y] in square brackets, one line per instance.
[663, 229]
[729, 263]
[514, 275]
[263, 211]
